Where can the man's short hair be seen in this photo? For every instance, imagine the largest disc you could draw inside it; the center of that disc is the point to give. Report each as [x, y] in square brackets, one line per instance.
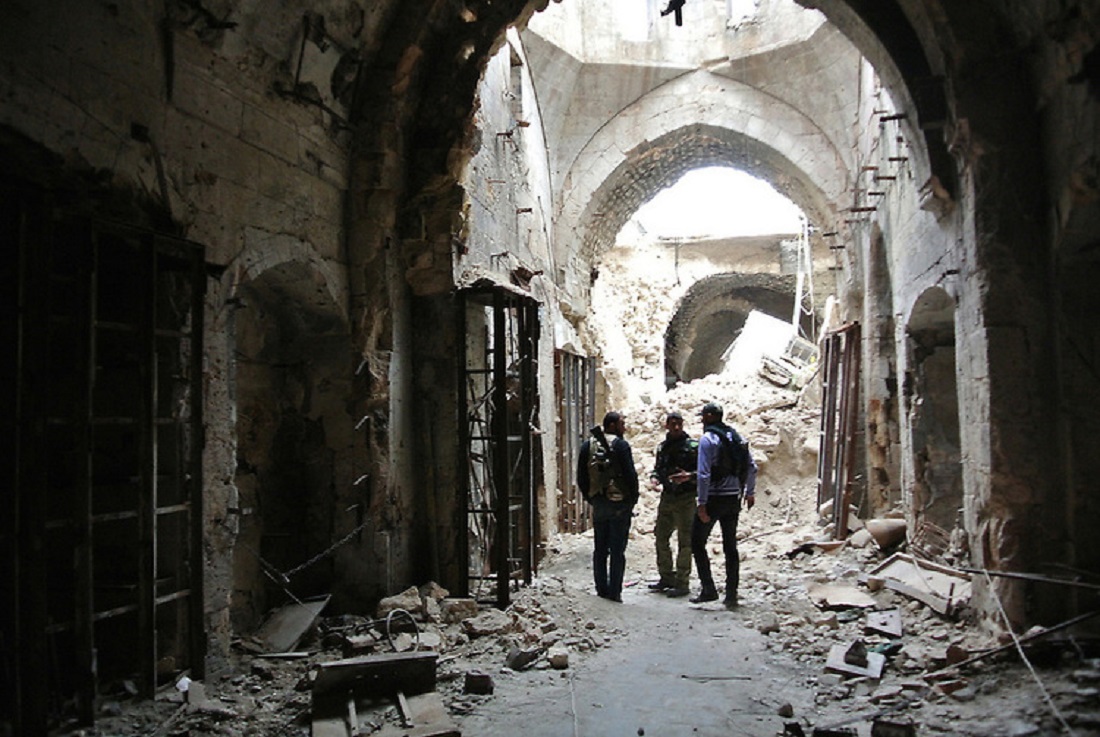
[611, 419]
[711, 408]
[674, 416]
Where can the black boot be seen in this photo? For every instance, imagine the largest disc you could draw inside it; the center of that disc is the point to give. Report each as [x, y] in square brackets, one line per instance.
[705, 594]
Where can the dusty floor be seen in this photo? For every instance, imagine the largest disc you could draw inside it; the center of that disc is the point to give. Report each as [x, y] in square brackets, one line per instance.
[658, 666]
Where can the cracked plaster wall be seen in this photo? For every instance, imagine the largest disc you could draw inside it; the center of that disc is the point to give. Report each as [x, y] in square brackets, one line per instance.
[182, 114]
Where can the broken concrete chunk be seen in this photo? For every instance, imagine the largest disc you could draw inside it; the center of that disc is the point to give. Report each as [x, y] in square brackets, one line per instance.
[404, 642]
[457, 610]
[431, 611]
[558, 655]
[359, 643]
[860, 539]
[767, 623]
[433, 591]
[490, 622]
[409, 600]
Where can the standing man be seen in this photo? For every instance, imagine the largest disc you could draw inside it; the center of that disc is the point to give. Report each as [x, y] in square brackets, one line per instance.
[725, 475]
[674, 471]
[608, 481]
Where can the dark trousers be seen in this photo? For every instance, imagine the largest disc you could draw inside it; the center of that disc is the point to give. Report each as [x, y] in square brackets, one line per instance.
[611, 528]
[724, 510]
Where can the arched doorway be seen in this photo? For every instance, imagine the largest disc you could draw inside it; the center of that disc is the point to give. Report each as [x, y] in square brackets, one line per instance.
[291, 348]
[932, 405]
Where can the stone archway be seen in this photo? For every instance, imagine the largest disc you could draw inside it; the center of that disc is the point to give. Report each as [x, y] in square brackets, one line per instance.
[695, 121]
[293, 434]
[932, 404]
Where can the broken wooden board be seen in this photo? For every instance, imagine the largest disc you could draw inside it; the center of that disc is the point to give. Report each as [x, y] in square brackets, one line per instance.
[342, 686]
[426, 716]
[942, 588]
[377, 676]
[886, 622]
[831, 596]
[285, 628]
[836, 663]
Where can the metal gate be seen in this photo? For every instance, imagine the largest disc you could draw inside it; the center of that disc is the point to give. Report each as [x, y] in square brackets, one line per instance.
[104, 522]
[499, 331]
[575, 379]
[839, 426]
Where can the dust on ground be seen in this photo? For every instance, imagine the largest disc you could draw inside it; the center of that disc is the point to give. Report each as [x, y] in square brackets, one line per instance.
[558, 622]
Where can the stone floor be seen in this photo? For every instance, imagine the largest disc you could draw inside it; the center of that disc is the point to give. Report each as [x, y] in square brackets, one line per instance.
[679, 669]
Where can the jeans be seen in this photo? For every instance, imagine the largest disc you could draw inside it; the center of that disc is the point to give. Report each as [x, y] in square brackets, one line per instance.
[611, 526]
[724, 510]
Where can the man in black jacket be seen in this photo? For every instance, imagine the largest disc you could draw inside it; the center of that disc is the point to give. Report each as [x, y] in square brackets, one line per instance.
[612, 498]
[674, 473]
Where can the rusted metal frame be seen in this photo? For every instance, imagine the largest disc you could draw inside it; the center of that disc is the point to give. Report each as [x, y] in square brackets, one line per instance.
[147, 496]
[478, 409]
[499, 433]
[839, 415]
[576, 413]
[589, 419]
[828, 421]
[561, 432]
[529, 381]
[840, 506]
[851, 416]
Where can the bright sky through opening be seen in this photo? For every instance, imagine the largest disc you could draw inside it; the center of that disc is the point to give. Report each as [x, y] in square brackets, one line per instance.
[720, 202]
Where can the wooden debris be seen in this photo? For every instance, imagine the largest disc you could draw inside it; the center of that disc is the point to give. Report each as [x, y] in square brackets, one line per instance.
[377, 676]
[424, 715]
[831, 596]
[886, 622]
[837, 663]
[342, 686]
[285, 628]
[942, 588]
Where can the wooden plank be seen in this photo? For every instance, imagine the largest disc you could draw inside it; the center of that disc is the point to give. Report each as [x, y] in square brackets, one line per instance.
[376, 676]
[886, 622]
[835, 663]
[938, 586]
[285, 628]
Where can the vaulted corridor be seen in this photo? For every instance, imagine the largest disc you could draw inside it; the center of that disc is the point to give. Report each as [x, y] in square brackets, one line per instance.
[313, 301]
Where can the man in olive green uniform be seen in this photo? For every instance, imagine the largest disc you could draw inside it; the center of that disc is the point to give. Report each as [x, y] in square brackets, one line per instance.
[675, 473]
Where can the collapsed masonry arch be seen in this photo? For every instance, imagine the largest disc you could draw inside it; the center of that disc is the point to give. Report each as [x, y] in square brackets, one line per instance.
[711, 315]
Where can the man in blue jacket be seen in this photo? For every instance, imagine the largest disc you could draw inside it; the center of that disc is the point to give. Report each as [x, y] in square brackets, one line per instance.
[725, 479]
[612, 495]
